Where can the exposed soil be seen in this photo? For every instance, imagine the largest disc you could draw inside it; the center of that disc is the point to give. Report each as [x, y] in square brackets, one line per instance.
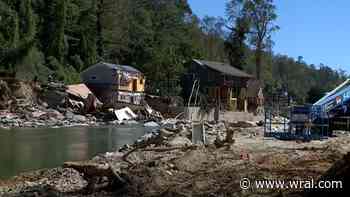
[163, 170]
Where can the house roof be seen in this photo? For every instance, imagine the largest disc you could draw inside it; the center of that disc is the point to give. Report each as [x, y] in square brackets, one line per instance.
[121, 67]
[223, 68]
[79, 90]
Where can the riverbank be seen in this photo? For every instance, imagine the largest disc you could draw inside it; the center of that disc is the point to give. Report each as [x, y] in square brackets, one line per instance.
[166, 163]
[55, 105]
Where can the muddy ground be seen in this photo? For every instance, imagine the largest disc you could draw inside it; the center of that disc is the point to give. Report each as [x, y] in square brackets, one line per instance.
[175, 167]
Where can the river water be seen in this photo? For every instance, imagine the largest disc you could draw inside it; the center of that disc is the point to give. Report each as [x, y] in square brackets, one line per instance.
[23, 150]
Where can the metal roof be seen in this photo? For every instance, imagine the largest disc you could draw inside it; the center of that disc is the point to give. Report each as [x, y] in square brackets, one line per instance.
[130, 69]
[223, 68]
[121, 67]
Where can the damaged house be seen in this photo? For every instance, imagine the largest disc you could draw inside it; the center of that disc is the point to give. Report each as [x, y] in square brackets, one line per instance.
[115, 84]
[231, 88]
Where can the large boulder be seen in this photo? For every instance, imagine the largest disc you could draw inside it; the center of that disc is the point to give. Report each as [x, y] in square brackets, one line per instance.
[180, 141]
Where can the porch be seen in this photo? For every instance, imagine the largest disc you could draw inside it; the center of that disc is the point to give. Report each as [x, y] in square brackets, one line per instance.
[229, 98]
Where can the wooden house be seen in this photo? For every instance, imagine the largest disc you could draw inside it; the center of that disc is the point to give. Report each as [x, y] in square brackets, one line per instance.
[222, 84]
[114, 84]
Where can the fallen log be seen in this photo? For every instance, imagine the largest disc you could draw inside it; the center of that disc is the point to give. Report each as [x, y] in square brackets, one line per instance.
[91, 169]
[157, 140]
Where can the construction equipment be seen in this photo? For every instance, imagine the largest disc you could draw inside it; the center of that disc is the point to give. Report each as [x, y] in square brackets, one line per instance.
[336, 101]
[313, 121]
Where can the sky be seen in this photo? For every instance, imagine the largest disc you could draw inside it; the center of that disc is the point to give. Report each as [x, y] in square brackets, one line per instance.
[318, 30]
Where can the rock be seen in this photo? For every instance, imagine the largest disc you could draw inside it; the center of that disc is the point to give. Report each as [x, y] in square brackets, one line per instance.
[54, 98]
[28, 124]
[146, 137]
[79, 118]
[53, 182]
[66, 180]
[113, 155]
[38, 114]
[151, 124]
[44, 104]
[131, 122]
[115, 122]
[180, 141]
[55, 114]
[165, 133]
[69, 115]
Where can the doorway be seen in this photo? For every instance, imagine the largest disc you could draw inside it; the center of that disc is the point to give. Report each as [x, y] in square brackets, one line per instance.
[134, 85]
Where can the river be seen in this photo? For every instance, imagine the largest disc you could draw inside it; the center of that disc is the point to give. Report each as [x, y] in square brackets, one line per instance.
[23, 150]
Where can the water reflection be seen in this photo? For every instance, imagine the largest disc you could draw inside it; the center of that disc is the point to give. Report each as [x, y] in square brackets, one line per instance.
[23, 150]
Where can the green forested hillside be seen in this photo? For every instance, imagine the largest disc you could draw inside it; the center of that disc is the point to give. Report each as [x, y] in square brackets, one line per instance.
[63, 37]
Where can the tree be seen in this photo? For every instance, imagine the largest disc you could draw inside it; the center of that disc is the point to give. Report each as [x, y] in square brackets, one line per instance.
[235, 46]
[55, 23]
[18, 32]
[314, 94]
[261, 15]
[81, 33]
[213, 38]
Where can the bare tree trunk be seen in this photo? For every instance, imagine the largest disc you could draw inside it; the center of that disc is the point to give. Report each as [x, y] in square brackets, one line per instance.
[258, 54]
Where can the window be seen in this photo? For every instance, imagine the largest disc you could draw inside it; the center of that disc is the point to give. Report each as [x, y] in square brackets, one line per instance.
[134, 85]
[141, 81]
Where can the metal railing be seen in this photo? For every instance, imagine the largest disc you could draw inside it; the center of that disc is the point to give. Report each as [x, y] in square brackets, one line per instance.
[299, 122]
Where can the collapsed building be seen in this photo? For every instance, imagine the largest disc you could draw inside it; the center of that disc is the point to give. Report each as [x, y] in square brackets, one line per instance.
[115, 84]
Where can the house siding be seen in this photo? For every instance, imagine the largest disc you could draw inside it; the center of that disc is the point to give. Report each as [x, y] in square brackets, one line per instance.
[114, 85]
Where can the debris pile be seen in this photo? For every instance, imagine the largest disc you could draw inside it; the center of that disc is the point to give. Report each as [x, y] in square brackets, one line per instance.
[278, 124]
[166, 162]
[57, 105]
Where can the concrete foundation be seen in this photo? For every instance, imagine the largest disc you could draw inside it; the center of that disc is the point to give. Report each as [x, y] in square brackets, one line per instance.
[196, 114]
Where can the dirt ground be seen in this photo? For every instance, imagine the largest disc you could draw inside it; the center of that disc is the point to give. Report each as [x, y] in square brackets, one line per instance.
[217, 172]
[212, 171]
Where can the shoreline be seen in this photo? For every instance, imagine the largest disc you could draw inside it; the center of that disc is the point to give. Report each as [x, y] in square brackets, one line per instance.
[55, 119]
[168, 159]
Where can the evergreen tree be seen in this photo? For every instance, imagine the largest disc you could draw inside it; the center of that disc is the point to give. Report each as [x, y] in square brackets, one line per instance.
[56, 21]
[20, 40]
